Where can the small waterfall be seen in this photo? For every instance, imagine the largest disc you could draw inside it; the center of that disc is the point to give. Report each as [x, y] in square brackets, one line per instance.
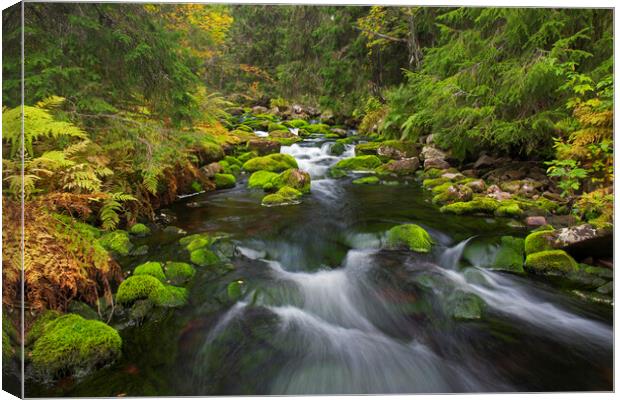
[316, 160]
[451, 256]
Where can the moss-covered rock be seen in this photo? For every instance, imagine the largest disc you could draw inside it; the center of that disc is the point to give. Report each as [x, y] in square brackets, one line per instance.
[117, 242]
[337, 149]
[262, 180]
[434, 182]
[294, 178]
[248, 155]
[550, 261]
[179, 272]
[223, 181]
[484, 205]
[140, 230]
[318, 128]
[453, 193]
[367, 180]
[366, 149]
[148, 287]
[234, 290]
[397, 149]
[539, 241]
[465, 306]
[509, 210]
[359, 163]
[203, 257]
[273, 162]
[274, 126]
[510, 255]
[71, 345]
[152, 268]
[284, 196]
[411, 236]
[296, 123]
[200, 239]
[403, 167]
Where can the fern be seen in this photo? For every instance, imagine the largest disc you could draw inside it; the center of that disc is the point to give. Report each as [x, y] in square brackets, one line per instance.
[110, 209]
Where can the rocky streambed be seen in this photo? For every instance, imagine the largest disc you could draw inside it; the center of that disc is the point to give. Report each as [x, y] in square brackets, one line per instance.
[327, 263]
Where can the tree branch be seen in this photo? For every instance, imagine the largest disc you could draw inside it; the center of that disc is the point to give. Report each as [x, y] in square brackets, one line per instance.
[381, 35]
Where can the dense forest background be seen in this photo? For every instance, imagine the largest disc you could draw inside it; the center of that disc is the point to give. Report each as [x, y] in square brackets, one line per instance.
[124, 102]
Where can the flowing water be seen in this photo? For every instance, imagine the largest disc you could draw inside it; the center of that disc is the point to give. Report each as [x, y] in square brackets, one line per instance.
[327, 310]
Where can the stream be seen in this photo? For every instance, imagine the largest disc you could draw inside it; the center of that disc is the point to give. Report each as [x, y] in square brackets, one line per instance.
[327, 310]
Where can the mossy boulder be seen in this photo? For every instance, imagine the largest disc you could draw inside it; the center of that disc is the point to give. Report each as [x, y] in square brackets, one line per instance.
[248, 155]
[366, 149]
[179, 272]
[274, 126]
[551, 261]
[412, 236]
[397, 150]
[403, 167]
[337, 149]
[483, 205]
[117, 242]
[431, 183]
[296, 123]
[509, 210]
[148, 287]
[464, 306]
[284, 196]
[367, 180]
[262, 180]
[318, 128]
[294, 178]
[151, 268]
[73, 345]
[196, 241]
[453, 193]
[359, 163]
[510, 255]
[203, 257]
[224, 181]
[140, 230]
[273, 162]
[539, 241]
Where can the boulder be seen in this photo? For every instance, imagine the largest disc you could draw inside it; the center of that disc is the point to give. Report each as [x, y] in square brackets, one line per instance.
[496, 193]
[453, 194]
[259, 110]
[477, 186]
[283, 197]
[397, 150]
[584, 240]
[209, 170]
[263, 147]
[294, 178]
[340, 132]
[536, 220]
[273, 162]
[453, 176]
[551, 261]
[406, 166]
[412, 236]
[429, 152]
[438, 163]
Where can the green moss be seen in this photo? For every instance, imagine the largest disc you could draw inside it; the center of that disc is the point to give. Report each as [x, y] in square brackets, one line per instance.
[365, 149]
[37, 329]
[508, 210]
[179, 272]
[538, 241]
[72, 344]
[296, 123]
[198, 243]
[248, 155]
[318, 128]
[410, 235]
[244, 128]
[433, 173]
[140, 230]
[434, 182]
[284, 196]
[274, 126]
[234, 290]
[295, 178]
[485, 205]
[196, 186]
[348, 140]
[117, 242]
[148, 287]
[287, 141]
[359, 163]
[212, 151]
[462, 305]
[152, 268]
[551, 260]
[273, 162]
[203, 257]
[223, 181]
[184, 241]
[510, 255]
[441, 187]
[337, 149]
[262, 180]
[367, 180]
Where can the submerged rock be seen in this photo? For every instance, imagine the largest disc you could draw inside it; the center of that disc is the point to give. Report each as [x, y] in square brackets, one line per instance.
[462, 305]
[337, 149]
[510, 255]
[367, 180]
[412, 236]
